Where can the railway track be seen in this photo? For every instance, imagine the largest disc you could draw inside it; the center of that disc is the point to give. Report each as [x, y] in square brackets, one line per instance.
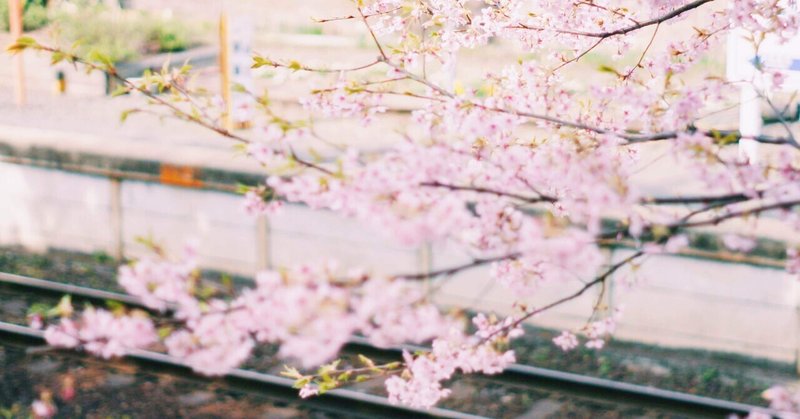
[517, 376]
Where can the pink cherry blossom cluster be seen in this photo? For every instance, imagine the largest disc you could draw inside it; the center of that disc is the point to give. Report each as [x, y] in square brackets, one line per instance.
[778, 17]
[599, 330]
[793, 260]
[738, 243]
[43, 409]
[311, 312]
[102, 333]
[781, 399]
[343, 101]
[254, 204]
[483, 161]
[525, 168]
[567, 341]
[160, 282]
[420, 384]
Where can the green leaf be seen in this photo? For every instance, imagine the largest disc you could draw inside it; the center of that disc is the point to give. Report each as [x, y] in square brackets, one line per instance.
[125, 114]
[607, 69]
[301, 382]
[206, 292]
[22, 43]
[227, 282]
[325, 387]
[242, 188]
[115, 306]
[393, 365]
[366, 361]
[261, 62]
[120, 90]
[64, 307]
[291, 372]
[326, 369]
[57, 57]
[185, 68]
[294, 65]
[238, 88]
[164, 331]
[99, 57]
[39, 308]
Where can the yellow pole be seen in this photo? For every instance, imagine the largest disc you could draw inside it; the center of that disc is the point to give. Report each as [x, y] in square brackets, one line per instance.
[15, 25]
[225, 71]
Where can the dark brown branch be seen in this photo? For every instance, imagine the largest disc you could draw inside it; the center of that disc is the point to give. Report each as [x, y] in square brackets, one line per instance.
[178, 112]
[622, 31]
[685, 223]
[526, 199]
[579, 56]
[598, 280]
[350, 17]
[372, 34]
[737, 214]
[644, 53]
[456, 269]
[704, 199]
[628, 137]
[294, 65]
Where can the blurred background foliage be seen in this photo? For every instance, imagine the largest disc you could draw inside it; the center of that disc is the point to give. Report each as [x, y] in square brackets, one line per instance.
[35, 15]
[135, 32]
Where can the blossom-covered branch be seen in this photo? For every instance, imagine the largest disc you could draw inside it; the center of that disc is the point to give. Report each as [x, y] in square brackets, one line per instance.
[522, 167]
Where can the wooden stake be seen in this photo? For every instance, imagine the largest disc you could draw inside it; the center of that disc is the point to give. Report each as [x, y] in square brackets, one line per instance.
[15, 24]
[225, 71]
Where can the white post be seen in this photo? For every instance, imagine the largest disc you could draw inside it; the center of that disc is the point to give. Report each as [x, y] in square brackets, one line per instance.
[796, 289]
[749, 123]
[425, 262]
[118, 238]
[263, 248]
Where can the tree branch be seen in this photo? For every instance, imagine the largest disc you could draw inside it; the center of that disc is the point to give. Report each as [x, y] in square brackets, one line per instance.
[627, 29]
[600, 279]
[456, 269]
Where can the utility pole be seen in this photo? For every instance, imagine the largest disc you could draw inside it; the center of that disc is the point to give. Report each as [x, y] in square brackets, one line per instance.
[15, 25]
[225, 70]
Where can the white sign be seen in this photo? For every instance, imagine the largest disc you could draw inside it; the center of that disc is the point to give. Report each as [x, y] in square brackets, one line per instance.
[743, 61]
[240, 41]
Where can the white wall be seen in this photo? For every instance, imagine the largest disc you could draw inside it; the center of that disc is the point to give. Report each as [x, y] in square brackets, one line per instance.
[671, 301]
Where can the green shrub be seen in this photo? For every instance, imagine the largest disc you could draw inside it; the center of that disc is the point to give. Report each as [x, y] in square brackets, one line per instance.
[167, 37]
[122, 35]
[34, 15]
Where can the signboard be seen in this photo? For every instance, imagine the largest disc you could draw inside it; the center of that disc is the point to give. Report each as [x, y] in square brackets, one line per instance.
[772, 55]
[236, 59]
[746, 65]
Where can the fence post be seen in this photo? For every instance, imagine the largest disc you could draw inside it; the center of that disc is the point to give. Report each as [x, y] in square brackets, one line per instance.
[118, 240]
[425, 261]
[607, 298]
[15, 11]
[263, 248]
[796, 287]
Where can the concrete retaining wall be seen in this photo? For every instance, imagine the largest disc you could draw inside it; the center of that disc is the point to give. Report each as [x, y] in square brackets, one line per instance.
[670, 300]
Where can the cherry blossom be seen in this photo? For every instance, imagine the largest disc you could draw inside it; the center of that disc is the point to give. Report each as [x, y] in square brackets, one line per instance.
[43, 410]
[531, 169]
[103, 333]
[566, 341]
[738, 243]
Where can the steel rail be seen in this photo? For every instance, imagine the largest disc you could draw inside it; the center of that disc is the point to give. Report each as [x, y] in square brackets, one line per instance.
[516, 374]
[344, 401]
